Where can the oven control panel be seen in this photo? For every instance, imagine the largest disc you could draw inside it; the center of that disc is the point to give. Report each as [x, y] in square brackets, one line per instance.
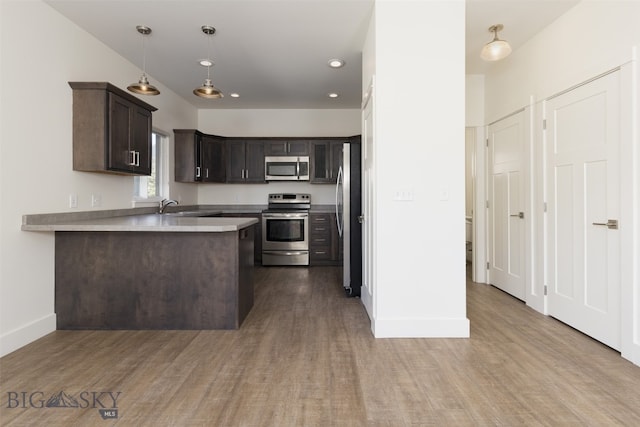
[289, 198]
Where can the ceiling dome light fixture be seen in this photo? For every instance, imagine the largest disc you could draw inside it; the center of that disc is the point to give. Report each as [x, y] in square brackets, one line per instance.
[143, 87]
[208, 90]
[496, 49]
[333, 95]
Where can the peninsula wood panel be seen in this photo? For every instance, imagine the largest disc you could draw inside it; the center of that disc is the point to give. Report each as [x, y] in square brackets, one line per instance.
[153, 280]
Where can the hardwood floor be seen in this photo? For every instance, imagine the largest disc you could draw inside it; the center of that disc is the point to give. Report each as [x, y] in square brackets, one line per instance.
[305, 356]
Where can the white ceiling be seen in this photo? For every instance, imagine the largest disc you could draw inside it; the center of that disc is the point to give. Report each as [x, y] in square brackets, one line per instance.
[274, 53]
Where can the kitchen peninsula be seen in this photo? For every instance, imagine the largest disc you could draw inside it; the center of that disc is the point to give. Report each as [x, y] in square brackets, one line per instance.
[134, 269]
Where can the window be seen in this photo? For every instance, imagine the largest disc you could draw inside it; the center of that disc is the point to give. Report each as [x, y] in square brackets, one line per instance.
[154, 187]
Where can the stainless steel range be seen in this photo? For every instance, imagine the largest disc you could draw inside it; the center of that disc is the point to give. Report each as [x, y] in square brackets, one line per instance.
[285, 229]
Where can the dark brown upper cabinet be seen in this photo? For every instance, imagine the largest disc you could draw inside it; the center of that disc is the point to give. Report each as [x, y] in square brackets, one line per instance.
[199, 157]
[326, 159]
[111, 130]
[214, 163]
[286, 147]
[245, 160]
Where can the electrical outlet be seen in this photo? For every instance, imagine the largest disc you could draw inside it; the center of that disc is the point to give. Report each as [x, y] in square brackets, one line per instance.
[73, 200]
[96, 200]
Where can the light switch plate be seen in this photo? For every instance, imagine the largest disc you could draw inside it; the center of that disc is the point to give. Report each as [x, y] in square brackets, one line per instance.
[73, 200]
[96, 200]
[404, 195]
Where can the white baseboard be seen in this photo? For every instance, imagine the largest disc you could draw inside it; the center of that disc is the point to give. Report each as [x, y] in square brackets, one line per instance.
[633, 355]
[13, 340]
[420, 328]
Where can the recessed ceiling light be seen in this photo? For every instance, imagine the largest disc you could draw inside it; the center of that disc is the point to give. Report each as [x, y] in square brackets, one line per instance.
[205, 62]
[234, 95]
[336, 63]
[333, 95]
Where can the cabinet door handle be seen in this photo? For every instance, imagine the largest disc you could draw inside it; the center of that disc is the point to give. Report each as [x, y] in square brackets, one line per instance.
[137, 158]
[197, 171]
[246, 174]
[132, 158]
[519, 215]
[206, 173]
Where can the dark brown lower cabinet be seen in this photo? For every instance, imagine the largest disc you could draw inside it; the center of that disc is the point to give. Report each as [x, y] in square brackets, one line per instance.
[153, 280]
[324, 241]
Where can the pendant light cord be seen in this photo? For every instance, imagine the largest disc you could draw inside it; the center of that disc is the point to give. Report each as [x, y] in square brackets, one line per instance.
[144, 57]
[209, 55]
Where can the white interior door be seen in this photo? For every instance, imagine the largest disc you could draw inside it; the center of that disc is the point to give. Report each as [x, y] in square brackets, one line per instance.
[368, 203]
[506, 205]
[583, 195]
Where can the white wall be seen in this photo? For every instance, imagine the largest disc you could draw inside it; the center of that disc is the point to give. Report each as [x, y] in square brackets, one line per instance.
[263, 122]
[36, 173]
[474, 100]
[591, 38]
[419, 138]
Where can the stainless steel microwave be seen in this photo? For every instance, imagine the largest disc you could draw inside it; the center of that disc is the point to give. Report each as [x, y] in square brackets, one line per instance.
[286, 168]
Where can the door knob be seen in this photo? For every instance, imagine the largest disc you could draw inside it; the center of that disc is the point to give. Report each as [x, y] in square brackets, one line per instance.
[611, 224]
[519, 215]
[360, 219]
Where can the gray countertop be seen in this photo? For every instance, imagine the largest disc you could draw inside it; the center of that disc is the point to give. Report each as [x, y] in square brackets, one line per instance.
[141, 222]
[177, 219]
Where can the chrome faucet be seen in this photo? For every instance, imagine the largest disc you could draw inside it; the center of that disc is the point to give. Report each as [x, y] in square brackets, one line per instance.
[164, 203]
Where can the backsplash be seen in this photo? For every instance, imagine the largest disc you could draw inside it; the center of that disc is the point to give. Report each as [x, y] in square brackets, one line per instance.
[256, 194]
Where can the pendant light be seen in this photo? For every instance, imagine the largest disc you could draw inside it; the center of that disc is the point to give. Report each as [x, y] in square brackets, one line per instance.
[496, 49]
[208, 90]
[143, 87]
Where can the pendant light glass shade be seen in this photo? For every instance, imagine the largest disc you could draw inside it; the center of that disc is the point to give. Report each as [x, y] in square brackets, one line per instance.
[143, 87]
[208, 90]
[496, 49]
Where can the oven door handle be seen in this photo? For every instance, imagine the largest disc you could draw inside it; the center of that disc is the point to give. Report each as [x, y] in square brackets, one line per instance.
[287, 253]
[285, 215]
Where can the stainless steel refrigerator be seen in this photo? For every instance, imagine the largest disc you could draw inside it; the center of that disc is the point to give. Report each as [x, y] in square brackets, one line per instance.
[349, 215]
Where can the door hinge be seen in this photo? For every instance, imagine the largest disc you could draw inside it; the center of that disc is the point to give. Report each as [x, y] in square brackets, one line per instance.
[544, 207]
[487, 265]
[544, 124]
[545, 290]
[487, 140]
[487, 204]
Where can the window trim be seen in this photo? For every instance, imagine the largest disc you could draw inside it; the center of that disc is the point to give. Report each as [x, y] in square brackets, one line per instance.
[162, 172]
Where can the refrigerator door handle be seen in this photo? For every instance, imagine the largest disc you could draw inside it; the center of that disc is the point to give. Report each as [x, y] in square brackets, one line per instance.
[338, 184]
